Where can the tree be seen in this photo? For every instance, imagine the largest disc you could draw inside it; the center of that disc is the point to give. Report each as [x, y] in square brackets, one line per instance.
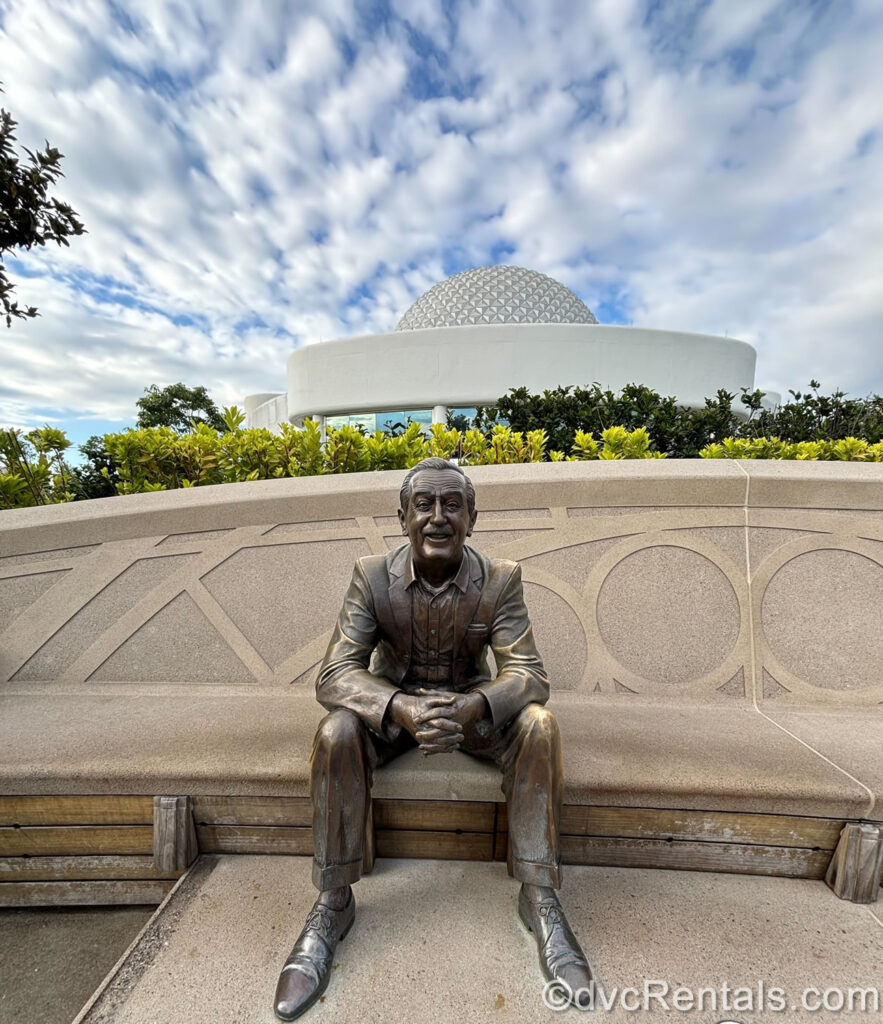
[175, 406]
[98, 475]
[29, 216]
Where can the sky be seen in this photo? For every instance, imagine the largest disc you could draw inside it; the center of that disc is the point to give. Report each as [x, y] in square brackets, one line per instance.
[259, 176]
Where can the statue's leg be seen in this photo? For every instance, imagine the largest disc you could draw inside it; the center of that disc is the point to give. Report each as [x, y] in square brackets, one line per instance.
[530, 758]
[533, 783]
[340, 778]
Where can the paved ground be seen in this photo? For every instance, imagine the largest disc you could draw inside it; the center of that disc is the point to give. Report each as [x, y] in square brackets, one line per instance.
[439, 941]
[52, 960]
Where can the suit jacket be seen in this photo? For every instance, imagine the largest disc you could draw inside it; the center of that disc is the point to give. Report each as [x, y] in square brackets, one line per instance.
[368, 657]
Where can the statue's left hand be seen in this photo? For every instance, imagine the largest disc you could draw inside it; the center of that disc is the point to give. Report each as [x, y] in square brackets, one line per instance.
[463, 709]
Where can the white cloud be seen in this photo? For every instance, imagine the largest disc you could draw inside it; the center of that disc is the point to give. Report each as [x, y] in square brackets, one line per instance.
[713, 167]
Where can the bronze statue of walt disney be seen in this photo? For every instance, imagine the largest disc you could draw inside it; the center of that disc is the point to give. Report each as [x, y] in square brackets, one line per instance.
[407, 666]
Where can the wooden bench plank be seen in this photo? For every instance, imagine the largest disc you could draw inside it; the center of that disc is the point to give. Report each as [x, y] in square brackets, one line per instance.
[254, 839]
[76, 810]
[791, 862]
[434, 815]
[93, 893]
[253, 810]
[52, 840]
[47, 869]
[439, 845]
[705, 826]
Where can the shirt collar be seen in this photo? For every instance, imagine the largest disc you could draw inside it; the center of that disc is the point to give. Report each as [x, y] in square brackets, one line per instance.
[460, 579]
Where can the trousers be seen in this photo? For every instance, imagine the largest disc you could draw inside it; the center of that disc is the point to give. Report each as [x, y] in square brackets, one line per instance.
[527, 750]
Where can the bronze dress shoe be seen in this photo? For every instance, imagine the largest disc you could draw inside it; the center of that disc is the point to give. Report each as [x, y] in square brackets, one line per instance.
[561, 957]
[306, 972]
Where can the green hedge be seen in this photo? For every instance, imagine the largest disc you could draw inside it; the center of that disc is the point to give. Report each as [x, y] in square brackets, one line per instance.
[564, 424]
[33, 470]
[682, 432]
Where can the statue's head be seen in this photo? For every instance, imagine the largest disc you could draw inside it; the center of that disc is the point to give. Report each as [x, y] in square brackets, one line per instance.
[437, 512]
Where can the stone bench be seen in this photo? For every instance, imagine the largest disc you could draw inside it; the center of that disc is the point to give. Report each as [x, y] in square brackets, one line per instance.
[710, 630]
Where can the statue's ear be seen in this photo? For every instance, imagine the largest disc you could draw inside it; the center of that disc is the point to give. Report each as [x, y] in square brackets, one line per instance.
[402, 521]
[473, 516]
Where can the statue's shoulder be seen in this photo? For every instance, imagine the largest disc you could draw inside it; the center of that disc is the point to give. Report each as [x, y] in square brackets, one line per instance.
[496, 571]
[378, 568]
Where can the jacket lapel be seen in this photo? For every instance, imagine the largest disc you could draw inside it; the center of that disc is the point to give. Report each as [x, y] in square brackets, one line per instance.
[400, 600]
[468, 601]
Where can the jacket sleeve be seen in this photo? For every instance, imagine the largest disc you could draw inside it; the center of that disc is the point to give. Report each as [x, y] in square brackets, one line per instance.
[521, 678]
[344, 680]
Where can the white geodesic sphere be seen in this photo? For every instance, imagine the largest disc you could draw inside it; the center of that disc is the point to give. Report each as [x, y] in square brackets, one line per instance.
[496, 295]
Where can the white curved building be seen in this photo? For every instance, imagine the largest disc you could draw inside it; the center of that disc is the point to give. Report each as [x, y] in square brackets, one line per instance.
[469, 339]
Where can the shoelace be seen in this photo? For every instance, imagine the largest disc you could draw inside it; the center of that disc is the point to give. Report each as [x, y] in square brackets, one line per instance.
[320, 920]
[553, 913]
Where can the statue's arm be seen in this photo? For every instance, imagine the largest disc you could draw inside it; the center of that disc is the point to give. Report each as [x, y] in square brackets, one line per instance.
[344, 680]
[521, 678]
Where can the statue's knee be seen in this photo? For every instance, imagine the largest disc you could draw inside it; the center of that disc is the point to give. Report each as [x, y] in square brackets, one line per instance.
[339, 727]
[537, 721]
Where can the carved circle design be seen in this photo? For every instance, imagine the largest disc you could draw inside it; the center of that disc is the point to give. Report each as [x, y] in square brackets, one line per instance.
[559, 636]
[668, 614]
[496, 295]
[821, 618]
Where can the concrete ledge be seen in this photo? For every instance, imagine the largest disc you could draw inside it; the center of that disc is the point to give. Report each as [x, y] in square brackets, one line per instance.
[654, 483]
[635, 756]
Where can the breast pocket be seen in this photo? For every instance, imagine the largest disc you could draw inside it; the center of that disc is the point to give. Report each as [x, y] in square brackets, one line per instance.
[476, 637]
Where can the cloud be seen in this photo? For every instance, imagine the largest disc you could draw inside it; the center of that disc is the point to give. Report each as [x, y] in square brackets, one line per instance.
[257, 177]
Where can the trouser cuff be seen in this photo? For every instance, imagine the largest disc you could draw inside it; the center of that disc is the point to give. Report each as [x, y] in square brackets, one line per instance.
[532, 873]
[334, 876]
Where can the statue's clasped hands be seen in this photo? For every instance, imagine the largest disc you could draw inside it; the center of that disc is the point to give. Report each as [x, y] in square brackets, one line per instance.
[438, 721]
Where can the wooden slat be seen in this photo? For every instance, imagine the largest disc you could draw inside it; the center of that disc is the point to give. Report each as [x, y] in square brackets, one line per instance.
[76, 810]
[440, 845]
[501, 846]
[792, 862]
[254, 839]
[50, 840]
[434, 815]
[46, 869]
[60, 894]
[253, 810]
[706, 826]
[174, 836]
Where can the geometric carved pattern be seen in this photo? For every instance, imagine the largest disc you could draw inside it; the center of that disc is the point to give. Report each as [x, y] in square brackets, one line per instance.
[563, 642]
[734, 687]
[668, 614]
[177, 645]
[771, 687]
[272, 593]
[822, 618]
[19, 592]
[63, 648]
[648, 600]
[573, 564]
[496, 295]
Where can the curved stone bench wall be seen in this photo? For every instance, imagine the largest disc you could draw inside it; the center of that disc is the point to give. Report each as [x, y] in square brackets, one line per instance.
[664, 581]
[712, 631]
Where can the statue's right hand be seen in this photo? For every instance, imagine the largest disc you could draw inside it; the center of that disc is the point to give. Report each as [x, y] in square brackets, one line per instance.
[419, 715]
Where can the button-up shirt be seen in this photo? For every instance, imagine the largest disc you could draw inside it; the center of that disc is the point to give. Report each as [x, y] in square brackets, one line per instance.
[432, 615]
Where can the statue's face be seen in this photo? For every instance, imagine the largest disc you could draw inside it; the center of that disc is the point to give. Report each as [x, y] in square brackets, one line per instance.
[437, 520]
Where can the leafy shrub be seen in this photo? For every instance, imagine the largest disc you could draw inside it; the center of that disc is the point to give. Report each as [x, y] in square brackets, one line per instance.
[847, 449]
[33, 470]
[567, 424]
[679, 431]
[159, 458]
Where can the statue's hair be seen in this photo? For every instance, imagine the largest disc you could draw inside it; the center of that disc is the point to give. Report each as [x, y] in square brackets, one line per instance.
[434, 463]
